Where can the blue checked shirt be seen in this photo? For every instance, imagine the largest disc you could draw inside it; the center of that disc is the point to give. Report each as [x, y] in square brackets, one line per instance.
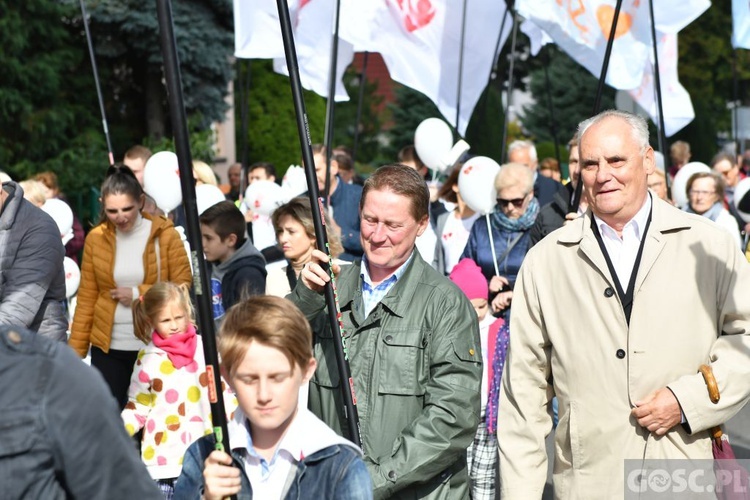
[372, 295]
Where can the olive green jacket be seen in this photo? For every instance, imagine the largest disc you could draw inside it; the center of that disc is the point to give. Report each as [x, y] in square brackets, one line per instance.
[417, 369]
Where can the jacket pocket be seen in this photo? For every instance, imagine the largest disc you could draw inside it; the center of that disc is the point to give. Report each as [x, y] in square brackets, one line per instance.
[403, 362]
[20, 463]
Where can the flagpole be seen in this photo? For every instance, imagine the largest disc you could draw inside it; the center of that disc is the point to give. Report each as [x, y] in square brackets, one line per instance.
[662, 138]
[509, 91]
[330, 105]
[496, 55]
[552, 124]
[342, 362]
[360, 99]
[96, 82]
[599, 91]
[460, 63]
[736, 102]
[244, 83]
[200, 284]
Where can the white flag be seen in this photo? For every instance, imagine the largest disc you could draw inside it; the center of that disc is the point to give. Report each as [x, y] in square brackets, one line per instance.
[741, 24]
[581, 29]
[257, 34]
[420, 41]
[676, 103]
[537, 37]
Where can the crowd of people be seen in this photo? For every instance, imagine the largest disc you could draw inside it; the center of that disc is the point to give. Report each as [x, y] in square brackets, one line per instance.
[469, 336]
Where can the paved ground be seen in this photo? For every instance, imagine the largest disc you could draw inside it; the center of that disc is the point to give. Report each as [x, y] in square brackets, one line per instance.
[738, 430]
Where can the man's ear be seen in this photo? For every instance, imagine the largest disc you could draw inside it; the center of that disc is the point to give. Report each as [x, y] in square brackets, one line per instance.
[422, 225]
[649, 162]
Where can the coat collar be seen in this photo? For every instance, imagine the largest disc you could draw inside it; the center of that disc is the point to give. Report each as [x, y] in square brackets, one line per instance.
[665, 219]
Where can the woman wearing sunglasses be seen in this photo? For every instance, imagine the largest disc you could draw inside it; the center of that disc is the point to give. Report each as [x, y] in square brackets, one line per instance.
[500, 250]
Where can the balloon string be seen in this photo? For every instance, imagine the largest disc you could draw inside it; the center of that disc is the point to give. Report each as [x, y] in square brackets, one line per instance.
[492, 244]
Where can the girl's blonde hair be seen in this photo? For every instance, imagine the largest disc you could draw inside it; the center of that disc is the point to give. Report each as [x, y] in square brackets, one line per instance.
[151, 303]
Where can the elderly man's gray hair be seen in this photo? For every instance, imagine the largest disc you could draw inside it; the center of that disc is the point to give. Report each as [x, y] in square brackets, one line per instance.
[637, 124]
[520, 145]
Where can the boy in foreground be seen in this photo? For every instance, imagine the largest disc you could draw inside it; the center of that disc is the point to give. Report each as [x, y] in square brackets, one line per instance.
[278, 449]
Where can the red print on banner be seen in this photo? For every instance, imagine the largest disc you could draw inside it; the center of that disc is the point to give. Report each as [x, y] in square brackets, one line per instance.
[416, 13]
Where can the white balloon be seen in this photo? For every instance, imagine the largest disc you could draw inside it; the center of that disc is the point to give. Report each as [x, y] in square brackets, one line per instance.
[72, 276]
[294, 182]
[476, 184]
[262, 197]
[679, 184]
[433, 140]
[161, 180]
[451, 157]
[61, 214]
[206, 196]
[742, 188]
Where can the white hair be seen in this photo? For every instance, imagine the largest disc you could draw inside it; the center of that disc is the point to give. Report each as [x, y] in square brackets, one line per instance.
[519, 144]
[515, 174]
[637, 124]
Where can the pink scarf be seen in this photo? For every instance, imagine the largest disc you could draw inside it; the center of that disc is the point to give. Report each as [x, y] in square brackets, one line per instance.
[180, 347]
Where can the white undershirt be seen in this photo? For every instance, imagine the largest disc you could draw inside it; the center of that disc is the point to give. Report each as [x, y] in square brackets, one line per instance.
[128, 271]
[623, 251]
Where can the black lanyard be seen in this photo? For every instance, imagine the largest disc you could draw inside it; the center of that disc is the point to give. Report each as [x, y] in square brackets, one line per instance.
[626, 297]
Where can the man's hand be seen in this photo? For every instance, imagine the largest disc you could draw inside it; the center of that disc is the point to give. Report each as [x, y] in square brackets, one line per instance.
[570, 217]
[123, 295]
[313, 275]
[658, 412]
[220, 478]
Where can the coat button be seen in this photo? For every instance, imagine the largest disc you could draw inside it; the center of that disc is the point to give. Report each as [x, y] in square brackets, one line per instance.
[392, 475]
[608, 292]
[620, 353]
[389, 338]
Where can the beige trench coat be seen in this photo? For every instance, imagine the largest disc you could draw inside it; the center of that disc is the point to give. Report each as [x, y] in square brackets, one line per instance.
[566, 330]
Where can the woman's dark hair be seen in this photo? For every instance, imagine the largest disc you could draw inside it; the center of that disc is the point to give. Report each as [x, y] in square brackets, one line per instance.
[120, 180]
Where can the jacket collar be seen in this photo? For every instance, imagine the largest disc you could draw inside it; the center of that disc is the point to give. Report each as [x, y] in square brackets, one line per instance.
[665, 219]
[399, 297]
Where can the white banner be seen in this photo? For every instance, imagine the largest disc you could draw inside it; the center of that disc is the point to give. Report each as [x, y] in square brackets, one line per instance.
[257, 34]
[420, 41]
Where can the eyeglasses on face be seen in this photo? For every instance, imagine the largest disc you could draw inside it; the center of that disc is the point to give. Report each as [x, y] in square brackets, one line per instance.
[517, 202]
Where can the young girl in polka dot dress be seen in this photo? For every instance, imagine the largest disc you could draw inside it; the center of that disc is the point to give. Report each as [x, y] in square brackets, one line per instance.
[168, 397]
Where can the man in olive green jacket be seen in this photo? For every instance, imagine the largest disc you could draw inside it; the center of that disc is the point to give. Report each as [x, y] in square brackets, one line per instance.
[413, 345]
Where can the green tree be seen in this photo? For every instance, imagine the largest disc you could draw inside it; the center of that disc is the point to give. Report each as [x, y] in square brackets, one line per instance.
[272, 128]
[408, 111]
[572, 89]
[370, 124]
[126, 38]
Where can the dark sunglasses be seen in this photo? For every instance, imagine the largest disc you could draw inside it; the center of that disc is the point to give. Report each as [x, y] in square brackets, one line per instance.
[517, 202]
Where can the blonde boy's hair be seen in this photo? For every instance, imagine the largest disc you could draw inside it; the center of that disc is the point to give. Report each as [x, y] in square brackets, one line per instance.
[268, 320]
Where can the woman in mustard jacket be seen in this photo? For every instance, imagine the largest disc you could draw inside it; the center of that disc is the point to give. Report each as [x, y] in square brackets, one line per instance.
[112, 277]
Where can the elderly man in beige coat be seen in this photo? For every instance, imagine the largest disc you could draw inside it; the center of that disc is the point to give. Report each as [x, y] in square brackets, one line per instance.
[613, 314]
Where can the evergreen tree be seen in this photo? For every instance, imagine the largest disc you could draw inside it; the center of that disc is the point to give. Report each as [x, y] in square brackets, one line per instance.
[126, 38]
[370, 124]
[573, 91]
[408, 111]
[272, 128]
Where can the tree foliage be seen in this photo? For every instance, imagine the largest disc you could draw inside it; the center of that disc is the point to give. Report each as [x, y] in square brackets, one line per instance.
[272, 128]
[126, 37]
[408, 111]
[572, 92]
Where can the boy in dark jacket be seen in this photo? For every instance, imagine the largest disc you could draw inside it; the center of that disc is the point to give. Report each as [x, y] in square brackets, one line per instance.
[238, 269]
